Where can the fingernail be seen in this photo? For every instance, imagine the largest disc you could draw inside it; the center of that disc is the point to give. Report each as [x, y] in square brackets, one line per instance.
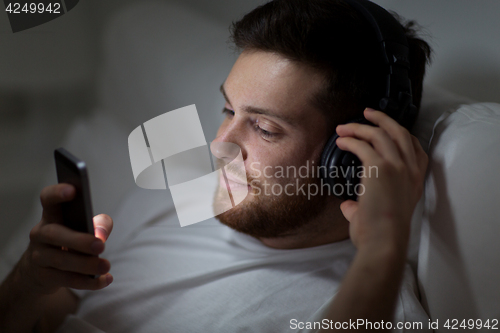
[97, 246]
[369, 109]
[102, 231]
[103, 267]
[109, 279]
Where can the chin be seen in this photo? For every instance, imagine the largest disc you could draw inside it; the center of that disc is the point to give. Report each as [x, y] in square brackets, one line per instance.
[269, 216]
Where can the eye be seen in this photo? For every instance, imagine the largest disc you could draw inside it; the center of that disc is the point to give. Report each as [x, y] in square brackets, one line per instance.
[265, 133]
[229, 113]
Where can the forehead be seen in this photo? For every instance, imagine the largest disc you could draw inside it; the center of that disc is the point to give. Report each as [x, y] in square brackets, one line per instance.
[269, 81]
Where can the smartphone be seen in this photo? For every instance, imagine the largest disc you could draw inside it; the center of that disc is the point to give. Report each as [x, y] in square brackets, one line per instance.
[77, 213]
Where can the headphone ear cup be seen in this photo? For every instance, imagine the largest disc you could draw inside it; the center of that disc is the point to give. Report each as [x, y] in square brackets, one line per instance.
[340, 168]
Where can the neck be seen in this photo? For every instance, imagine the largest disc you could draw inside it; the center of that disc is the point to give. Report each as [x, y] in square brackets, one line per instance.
[328, 227]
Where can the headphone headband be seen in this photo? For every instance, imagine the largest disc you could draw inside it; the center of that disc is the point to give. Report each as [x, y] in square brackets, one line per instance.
[393, 49]
[396, 101]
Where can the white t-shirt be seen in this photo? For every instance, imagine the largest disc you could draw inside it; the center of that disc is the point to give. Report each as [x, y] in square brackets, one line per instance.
[209, 278]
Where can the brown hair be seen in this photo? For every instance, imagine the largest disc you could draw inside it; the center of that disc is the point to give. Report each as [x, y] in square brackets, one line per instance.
[335, 39]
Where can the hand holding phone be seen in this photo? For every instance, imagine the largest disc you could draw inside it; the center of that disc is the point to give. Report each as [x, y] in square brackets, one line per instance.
[77, 213]
[45, 266]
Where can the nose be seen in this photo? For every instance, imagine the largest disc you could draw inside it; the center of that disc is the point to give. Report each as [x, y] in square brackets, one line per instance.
[225, 151]
[229, 142]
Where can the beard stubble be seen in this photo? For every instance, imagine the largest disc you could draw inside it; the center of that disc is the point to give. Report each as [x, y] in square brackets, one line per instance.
[272, 216]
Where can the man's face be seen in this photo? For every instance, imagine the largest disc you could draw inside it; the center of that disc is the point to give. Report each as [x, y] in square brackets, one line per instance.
[270, 116]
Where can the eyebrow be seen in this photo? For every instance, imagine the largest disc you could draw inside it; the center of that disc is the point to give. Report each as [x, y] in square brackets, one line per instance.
[255, 110]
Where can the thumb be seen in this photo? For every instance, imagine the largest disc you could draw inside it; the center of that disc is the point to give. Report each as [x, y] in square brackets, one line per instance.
[103, 225]
[349, 209]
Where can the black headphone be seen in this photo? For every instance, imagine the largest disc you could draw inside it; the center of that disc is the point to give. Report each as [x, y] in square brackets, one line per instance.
[340, 167]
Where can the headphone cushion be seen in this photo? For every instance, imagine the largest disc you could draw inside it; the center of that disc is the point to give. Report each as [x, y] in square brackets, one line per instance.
[338, 162]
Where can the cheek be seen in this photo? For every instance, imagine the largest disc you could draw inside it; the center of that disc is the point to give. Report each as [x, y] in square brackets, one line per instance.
[272, 163]
[288, 153]
[261, 158]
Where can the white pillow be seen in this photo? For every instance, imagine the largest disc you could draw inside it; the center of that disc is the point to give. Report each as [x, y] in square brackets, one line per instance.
[459, 257]
[435, 102]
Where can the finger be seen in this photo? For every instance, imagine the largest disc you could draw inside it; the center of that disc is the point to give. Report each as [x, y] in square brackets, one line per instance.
[360, 148]
[398, 134]
[349, 208]
[70, 261]
[74, 280]
[51, 197]
[60, 236]
[103, 225]
[376, 136]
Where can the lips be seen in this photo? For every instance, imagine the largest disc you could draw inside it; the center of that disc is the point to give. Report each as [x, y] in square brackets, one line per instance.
[232, 179]
[233, 183]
